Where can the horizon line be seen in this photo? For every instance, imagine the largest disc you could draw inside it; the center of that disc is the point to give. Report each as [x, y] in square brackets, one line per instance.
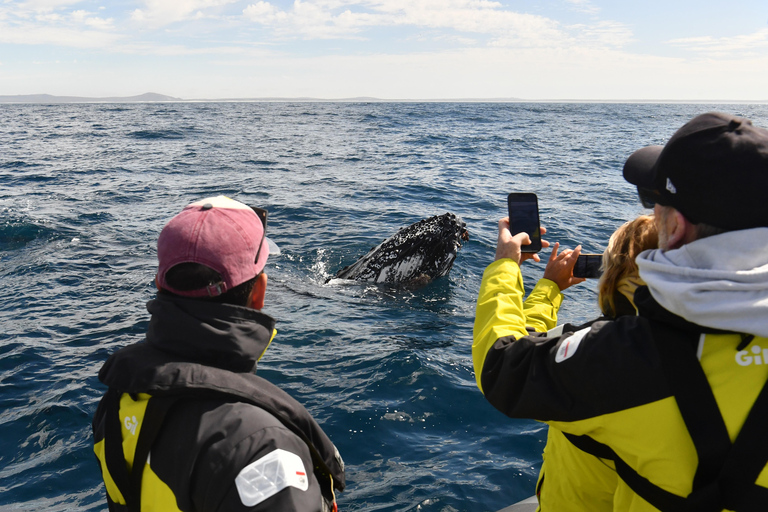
[161, 98]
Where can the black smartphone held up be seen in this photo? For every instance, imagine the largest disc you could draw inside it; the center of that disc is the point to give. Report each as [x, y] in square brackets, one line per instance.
[524, 216]
[588, 265]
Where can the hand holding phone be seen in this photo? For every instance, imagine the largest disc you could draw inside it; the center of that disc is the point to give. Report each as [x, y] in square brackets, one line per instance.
[588, 265]
[523, 210]
[559, 267]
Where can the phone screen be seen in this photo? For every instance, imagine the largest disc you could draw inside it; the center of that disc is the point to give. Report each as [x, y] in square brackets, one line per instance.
[524, 216]
[588, 265]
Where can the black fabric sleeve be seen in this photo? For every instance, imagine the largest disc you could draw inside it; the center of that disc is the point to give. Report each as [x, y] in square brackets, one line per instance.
[289, 499]
[614, 366]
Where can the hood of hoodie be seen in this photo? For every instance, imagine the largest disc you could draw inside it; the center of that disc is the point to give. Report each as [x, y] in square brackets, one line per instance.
[719, 282]
[221, 335]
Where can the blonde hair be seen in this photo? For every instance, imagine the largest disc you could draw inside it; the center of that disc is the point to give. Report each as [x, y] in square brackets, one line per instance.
[619, 265]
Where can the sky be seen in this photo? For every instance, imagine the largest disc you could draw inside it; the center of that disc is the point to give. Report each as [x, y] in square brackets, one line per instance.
[618, 50]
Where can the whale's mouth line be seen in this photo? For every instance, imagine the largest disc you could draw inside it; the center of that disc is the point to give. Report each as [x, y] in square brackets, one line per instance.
[464, 236]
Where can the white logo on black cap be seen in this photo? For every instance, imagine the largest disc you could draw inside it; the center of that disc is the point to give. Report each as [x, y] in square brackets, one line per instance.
[671, 187]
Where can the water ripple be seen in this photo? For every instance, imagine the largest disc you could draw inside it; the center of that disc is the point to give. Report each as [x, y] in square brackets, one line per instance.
[85, 189]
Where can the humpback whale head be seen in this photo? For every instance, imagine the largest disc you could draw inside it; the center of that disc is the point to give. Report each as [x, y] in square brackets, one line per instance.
[417, 253]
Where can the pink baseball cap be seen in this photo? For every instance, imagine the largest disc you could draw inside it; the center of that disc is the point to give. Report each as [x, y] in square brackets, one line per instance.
[220, 233]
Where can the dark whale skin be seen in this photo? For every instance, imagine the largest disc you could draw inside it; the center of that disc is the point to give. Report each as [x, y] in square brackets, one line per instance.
[417, 253]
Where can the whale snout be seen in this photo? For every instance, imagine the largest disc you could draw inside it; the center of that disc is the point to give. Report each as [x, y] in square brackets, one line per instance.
[458, 227]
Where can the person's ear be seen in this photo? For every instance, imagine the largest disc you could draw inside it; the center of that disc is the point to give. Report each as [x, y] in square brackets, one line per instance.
[680, 230]
[256, 300]
[157, 284]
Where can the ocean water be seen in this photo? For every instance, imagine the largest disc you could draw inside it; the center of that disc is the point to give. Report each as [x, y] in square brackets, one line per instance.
[387, 372]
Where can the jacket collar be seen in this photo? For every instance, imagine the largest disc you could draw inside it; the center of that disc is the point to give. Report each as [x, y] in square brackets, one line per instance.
[221, 335]
[650, 309]
[720, 281]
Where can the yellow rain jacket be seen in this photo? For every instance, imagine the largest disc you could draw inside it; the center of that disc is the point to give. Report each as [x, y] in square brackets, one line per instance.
[628, 390]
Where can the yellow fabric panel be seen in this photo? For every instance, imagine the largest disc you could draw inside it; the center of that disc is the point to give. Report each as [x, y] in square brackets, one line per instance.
[542, 305]
[499, 310]
[573, 478]
[652, 439]
[112, 490]
[155, 494]
[131, 416]
[736, 379]
[735, 385]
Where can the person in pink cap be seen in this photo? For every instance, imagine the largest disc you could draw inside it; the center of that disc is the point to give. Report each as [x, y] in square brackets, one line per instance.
[185, 423]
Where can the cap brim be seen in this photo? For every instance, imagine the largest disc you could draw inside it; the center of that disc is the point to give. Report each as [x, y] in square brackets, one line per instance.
[639, 167]
[274, 250]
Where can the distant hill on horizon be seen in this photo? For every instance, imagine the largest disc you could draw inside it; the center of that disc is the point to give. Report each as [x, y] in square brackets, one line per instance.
[48, 98]
[155, 97]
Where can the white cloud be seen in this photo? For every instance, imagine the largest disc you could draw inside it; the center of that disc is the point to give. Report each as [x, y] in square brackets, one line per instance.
[719, 47]
[45, 22]
[585, 6]
[163, 12]
[605, 33]
[324, 19]
[178, 50]
[79, 15]
[260, 11]
[418, 49]
[48, 17]
[462, 23]
[60, 36]
[46, 5]
[86, 18]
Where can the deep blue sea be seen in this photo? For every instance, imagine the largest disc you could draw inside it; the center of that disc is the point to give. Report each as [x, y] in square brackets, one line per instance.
[86, 188]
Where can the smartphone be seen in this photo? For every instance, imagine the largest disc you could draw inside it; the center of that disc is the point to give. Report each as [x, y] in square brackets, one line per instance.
[588, 265]
[524, 216]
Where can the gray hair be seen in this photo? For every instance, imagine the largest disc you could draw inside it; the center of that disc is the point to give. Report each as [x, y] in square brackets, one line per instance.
[705, 230]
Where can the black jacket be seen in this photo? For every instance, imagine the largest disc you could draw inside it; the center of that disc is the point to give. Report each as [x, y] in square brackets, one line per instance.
[199, 358]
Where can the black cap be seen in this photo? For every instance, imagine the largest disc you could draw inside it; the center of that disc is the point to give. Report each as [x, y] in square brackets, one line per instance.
[712, 170]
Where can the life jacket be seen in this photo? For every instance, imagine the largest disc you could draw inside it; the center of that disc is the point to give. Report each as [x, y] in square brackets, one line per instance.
[142, 370]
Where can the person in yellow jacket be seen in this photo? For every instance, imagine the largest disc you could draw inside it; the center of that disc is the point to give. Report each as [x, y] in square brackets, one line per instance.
[676, 396]
[570, 477]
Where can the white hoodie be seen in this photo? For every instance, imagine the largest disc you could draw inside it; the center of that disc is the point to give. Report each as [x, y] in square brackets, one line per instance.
[719, 282]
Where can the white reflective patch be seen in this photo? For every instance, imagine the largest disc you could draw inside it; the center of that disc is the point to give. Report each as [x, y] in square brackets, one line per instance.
[569, 346]
[269, 475]
[557, 331]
